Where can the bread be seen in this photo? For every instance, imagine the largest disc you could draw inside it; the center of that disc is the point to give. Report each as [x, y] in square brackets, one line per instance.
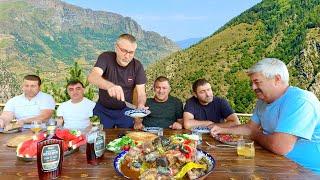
[14, 142]
[141, 136]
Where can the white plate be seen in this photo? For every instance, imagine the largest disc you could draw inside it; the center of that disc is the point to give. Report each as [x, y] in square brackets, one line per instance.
[201, 129]
[135, 113]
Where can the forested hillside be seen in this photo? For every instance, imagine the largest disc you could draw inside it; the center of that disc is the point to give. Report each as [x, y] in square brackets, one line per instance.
[288, 30]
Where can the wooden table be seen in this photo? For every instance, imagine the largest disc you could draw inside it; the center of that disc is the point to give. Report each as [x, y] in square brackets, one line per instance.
[265, 165]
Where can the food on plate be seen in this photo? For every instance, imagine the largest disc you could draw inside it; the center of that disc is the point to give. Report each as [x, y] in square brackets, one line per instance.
[15, 141]
[228, 138]
[120, 144]
[12, 126]
[141, 136]
[71, 141]
[165, 158]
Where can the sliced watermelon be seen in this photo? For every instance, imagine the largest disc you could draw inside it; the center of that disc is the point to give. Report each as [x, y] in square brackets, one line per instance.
[76, 140]
[78, 144]
[22, 147]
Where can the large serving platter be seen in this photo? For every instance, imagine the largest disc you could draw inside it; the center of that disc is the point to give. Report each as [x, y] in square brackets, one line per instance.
[200, 153]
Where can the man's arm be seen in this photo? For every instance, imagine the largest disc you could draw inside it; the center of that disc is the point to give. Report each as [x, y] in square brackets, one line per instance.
[5, 118]
[44, 116]
[141, 95]
[95, 78]
[189, 121]
[279, 143]
[244, 129]
[231, 120]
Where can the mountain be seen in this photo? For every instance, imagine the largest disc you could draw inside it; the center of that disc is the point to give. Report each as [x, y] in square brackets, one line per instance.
[183, 44]
[47, 36]
[288, 30]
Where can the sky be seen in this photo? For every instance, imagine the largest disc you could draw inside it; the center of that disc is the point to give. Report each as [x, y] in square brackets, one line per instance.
[175, 19]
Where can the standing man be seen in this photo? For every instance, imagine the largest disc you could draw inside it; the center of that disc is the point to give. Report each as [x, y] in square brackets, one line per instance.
[204, 109]
[117, 74]
[75, 113]
[166, 109]
[286, 119]
[32, 105]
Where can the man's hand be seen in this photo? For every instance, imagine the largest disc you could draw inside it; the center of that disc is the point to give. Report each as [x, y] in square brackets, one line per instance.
[176, 125]
[20, 123]
[215, 130]
[138, 125]
[211, 125]
[116, 92]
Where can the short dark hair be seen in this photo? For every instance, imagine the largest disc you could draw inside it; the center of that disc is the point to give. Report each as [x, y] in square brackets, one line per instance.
[197, 83]
[128, 37]
[161, 79]
[74, 82]
[32, 77]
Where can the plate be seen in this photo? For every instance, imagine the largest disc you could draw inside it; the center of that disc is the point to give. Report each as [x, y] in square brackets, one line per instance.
[228, 138]
[154, 130]
[137, 113]
[66, 153]
[200, 129]
[119, 158]
[10, 131]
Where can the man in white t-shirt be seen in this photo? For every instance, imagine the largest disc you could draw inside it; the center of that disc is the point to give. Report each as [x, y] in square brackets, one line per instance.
[75, 113]
[32, 105]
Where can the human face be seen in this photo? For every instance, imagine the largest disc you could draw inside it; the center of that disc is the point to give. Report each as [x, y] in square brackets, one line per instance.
[76, 92]
[125, 52]
[204, 94]
[161, 91]
[265, 89]
[30, 88]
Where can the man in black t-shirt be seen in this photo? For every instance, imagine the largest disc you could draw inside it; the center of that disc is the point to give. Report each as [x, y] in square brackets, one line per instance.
[117, 74]
[166, 109]
[204, 109]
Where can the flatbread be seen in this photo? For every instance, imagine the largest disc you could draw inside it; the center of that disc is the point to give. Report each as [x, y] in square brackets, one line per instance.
[11, 126]
[141, 136]
[14, 142]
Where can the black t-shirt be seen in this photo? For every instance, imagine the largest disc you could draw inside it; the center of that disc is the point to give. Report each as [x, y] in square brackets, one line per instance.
[216, 111]
[126, 77]
[163, 114]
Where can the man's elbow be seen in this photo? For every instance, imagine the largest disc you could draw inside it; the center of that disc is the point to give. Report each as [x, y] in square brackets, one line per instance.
[186, 124]
[281, 150]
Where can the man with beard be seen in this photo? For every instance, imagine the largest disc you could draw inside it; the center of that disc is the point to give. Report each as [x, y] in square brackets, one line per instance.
[205, 110]
[286, 119]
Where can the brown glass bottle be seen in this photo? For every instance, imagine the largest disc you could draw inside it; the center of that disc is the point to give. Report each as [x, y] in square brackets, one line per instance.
[95, 145]
[50, 154]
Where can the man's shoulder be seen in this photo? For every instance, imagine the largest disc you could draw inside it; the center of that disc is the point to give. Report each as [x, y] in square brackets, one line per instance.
[174, 99]
[16, 98]
[44, 95]
[192, 100]
[88, 101]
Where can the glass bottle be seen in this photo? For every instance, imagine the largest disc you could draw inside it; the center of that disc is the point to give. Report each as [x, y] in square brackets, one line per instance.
[50, 154]
[95, 143]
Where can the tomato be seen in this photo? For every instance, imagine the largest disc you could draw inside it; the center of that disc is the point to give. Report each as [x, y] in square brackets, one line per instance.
[187, 141]
[126, 147]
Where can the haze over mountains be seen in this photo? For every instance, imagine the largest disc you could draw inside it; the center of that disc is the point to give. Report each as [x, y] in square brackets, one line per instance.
[288, 30]
[47, 36]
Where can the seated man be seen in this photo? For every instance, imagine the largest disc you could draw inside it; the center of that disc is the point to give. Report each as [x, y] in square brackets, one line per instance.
[286, 119]
[166, 110]
[204, 109]
[32, 105]
[75, 113]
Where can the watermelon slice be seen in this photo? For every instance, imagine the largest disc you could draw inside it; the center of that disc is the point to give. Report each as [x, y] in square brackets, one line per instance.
[22, 147]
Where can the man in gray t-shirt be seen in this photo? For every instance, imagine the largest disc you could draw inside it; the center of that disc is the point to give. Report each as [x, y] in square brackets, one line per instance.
[117, 74]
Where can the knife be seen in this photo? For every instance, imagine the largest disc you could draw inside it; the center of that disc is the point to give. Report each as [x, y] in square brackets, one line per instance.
[129, 105]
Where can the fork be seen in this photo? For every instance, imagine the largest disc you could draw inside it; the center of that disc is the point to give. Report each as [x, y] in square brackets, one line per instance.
[220, 145]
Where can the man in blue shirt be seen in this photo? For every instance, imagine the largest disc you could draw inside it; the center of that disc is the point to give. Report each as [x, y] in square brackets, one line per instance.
[286, 119]
[204, 109]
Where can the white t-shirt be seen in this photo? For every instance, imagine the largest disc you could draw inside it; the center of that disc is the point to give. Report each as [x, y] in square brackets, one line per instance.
[76, 115]
[24, 108]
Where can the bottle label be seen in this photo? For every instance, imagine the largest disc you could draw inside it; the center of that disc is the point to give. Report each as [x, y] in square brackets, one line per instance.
[99, 145]
[50, 157]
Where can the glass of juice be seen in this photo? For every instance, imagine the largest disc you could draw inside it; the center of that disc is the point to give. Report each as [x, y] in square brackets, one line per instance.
[245, 148]
[35, 127]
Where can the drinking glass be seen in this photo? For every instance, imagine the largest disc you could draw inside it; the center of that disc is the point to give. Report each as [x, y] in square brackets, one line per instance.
[35, 127]
[245, 148]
